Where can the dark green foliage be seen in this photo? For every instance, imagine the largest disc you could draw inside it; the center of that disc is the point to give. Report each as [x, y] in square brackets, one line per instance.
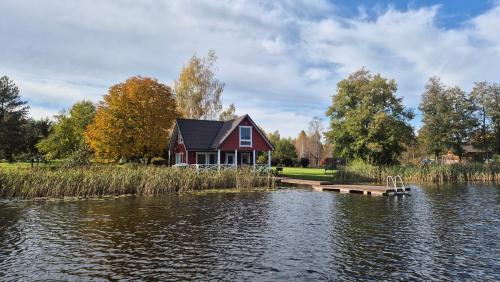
[35, 131]
[304, 162]
[367, 120]
[13, 116]
[284, 150]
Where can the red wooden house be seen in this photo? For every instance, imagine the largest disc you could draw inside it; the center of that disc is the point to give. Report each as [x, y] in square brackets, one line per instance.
[223, 143]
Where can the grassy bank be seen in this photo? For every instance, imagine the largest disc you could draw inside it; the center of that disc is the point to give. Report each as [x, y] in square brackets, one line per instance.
[308, 173]
[114, 180]
[360, 172]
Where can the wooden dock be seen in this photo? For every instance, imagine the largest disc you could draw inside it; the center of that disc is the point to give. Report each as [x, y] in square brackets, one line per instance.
[373, 190]
[364, 189]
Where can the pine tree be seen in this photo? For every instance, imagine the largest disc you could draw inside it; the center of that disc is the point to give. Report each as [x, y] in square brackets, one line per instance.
[13, 117]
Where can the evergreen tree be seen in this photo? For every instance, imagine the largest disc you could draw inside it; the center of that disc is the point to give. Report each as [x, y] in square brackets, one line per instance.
[13, 116]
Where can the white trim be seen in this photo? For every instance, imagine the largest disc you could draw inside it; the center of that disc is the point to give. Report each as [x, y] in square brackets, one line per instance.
[253, 159]
[207, 157]
[269, 158]
[245, 140]
[180, 140]
[256, 128]
[180, 158]
[218, 159]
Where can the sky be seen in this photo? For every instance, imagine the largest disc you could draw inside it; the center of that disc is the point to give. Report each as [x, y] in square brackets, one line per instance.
[280, 60]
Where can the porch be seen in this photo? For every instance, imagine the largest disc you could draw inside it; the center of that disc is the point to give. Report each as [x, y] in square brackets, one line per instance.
[220, 159]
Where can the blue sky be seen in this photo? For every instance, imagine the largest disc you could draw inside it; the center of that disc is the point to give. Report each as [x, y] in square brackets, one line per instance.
[280, 60]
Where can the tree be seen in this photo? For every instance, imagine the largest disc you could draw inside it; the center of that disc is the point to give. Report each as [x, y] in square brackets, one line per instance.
[198, 91]
[301, 144]
[284, 150]
[367, 120]
[493, 111]
[482, 138]
[133, 121]
[462, 118]
[315, 132]
[229, 113]
[436, 110]
[36, 130]
[13, 116]
[274, 137]
[448, 118]
[66, 134]
[486, 99]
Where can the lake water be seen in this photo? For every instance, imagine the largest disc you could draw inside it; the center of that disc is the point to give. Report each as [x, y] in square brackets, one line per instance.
[440, 233]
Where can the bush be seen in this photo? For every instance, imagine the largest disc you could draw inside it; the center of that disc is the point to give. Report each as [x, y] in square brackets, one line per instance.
[287, 162]
[304, 162]
[275, 161]
[325, 161]
[159, 161]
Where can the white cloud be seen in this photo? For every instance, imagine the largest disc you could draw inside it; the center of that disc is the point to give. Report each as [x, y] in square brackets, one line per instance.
[280, 60]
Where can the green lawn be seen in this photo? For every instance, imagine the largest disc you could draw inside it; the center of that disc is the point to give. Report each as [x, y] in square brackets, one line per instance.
[307, 173]
[5, 165]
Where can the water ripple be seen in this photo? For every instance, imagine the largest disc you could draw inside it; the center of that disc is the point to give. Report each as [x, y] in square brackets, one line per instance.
[438, 233]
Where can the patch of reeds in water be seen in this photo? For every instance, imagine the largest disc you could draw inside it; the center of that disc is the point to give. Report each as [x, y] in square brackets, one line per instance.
[94, 181]
[361, 172]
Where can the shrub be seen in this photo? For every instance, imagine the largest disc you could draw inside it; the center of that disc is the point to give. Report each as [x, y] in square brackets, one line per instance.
[287, 162]
[304, 162]
[275, 161]
[159, 162]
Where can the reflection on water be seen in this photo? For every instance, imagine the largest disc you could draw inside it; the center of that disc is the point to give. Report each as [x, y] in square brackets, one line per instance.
[447, 232]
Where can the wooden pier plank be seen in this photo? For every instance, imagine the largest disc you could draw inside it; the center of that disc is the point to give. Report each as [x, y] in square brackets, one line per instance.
[374, 190]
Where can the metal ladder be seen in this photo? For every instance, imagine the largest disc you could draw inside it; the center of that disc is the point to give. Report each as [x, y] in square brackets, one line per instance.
[394, 181]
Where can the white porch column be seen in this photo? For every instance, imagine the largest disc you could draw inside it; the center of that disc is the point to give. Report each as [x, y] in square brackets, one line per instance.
[253, 159]
[269, 158]
[236, 158]
[169, 158]
[218, 159]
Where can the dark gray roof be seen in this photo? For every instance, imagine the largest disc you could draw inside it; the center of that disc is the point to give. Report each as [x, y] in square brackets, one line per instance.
[207, 134]
[225, 130]
[198, 134]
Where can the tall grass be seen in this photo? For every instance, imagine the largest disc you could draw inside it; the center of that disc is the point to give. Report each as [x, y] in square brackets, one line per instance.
[361, 172]
[95, 181]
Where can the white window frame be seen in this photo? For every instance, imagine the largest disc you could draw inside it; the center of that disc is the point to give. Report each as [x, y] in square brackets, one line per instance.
[227, 158]
[180, 158]
[179, 138]
[251, 137]
[207, 157]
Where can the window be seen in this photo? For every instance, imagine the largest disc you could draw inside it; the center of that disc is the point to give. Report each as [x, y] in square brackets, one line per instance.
[205, 158]
[245, 159]
[245, 136]
[230, 158]
[178, 158]
[179, 138]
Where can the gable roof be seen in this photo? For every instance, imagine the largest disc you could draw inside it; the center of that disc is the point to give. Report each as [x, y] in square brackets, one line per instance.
[225, 130]
[198, 134]
[209, 134]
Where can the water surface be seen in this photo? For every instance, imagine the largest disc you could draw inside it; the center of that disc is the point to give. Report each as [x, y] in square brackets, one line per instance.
[440, 233]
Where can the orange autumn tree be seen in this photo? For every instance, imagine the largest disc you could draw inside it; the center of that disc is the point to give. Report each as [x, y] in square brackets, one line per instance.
[133, 121]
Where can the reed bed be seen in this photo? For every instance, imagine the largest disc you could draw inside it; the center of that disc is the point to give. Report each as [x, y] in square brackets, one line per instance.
[361, 172]
[95, 181]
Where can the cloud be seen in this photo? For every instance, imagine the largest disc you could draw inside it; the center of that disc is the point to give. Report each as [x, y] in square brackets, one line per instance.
[280, 60]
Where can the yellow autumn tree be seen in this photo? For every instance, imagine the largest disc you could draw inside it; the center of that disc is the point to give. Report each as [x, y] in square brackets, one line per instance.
[133, 121]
